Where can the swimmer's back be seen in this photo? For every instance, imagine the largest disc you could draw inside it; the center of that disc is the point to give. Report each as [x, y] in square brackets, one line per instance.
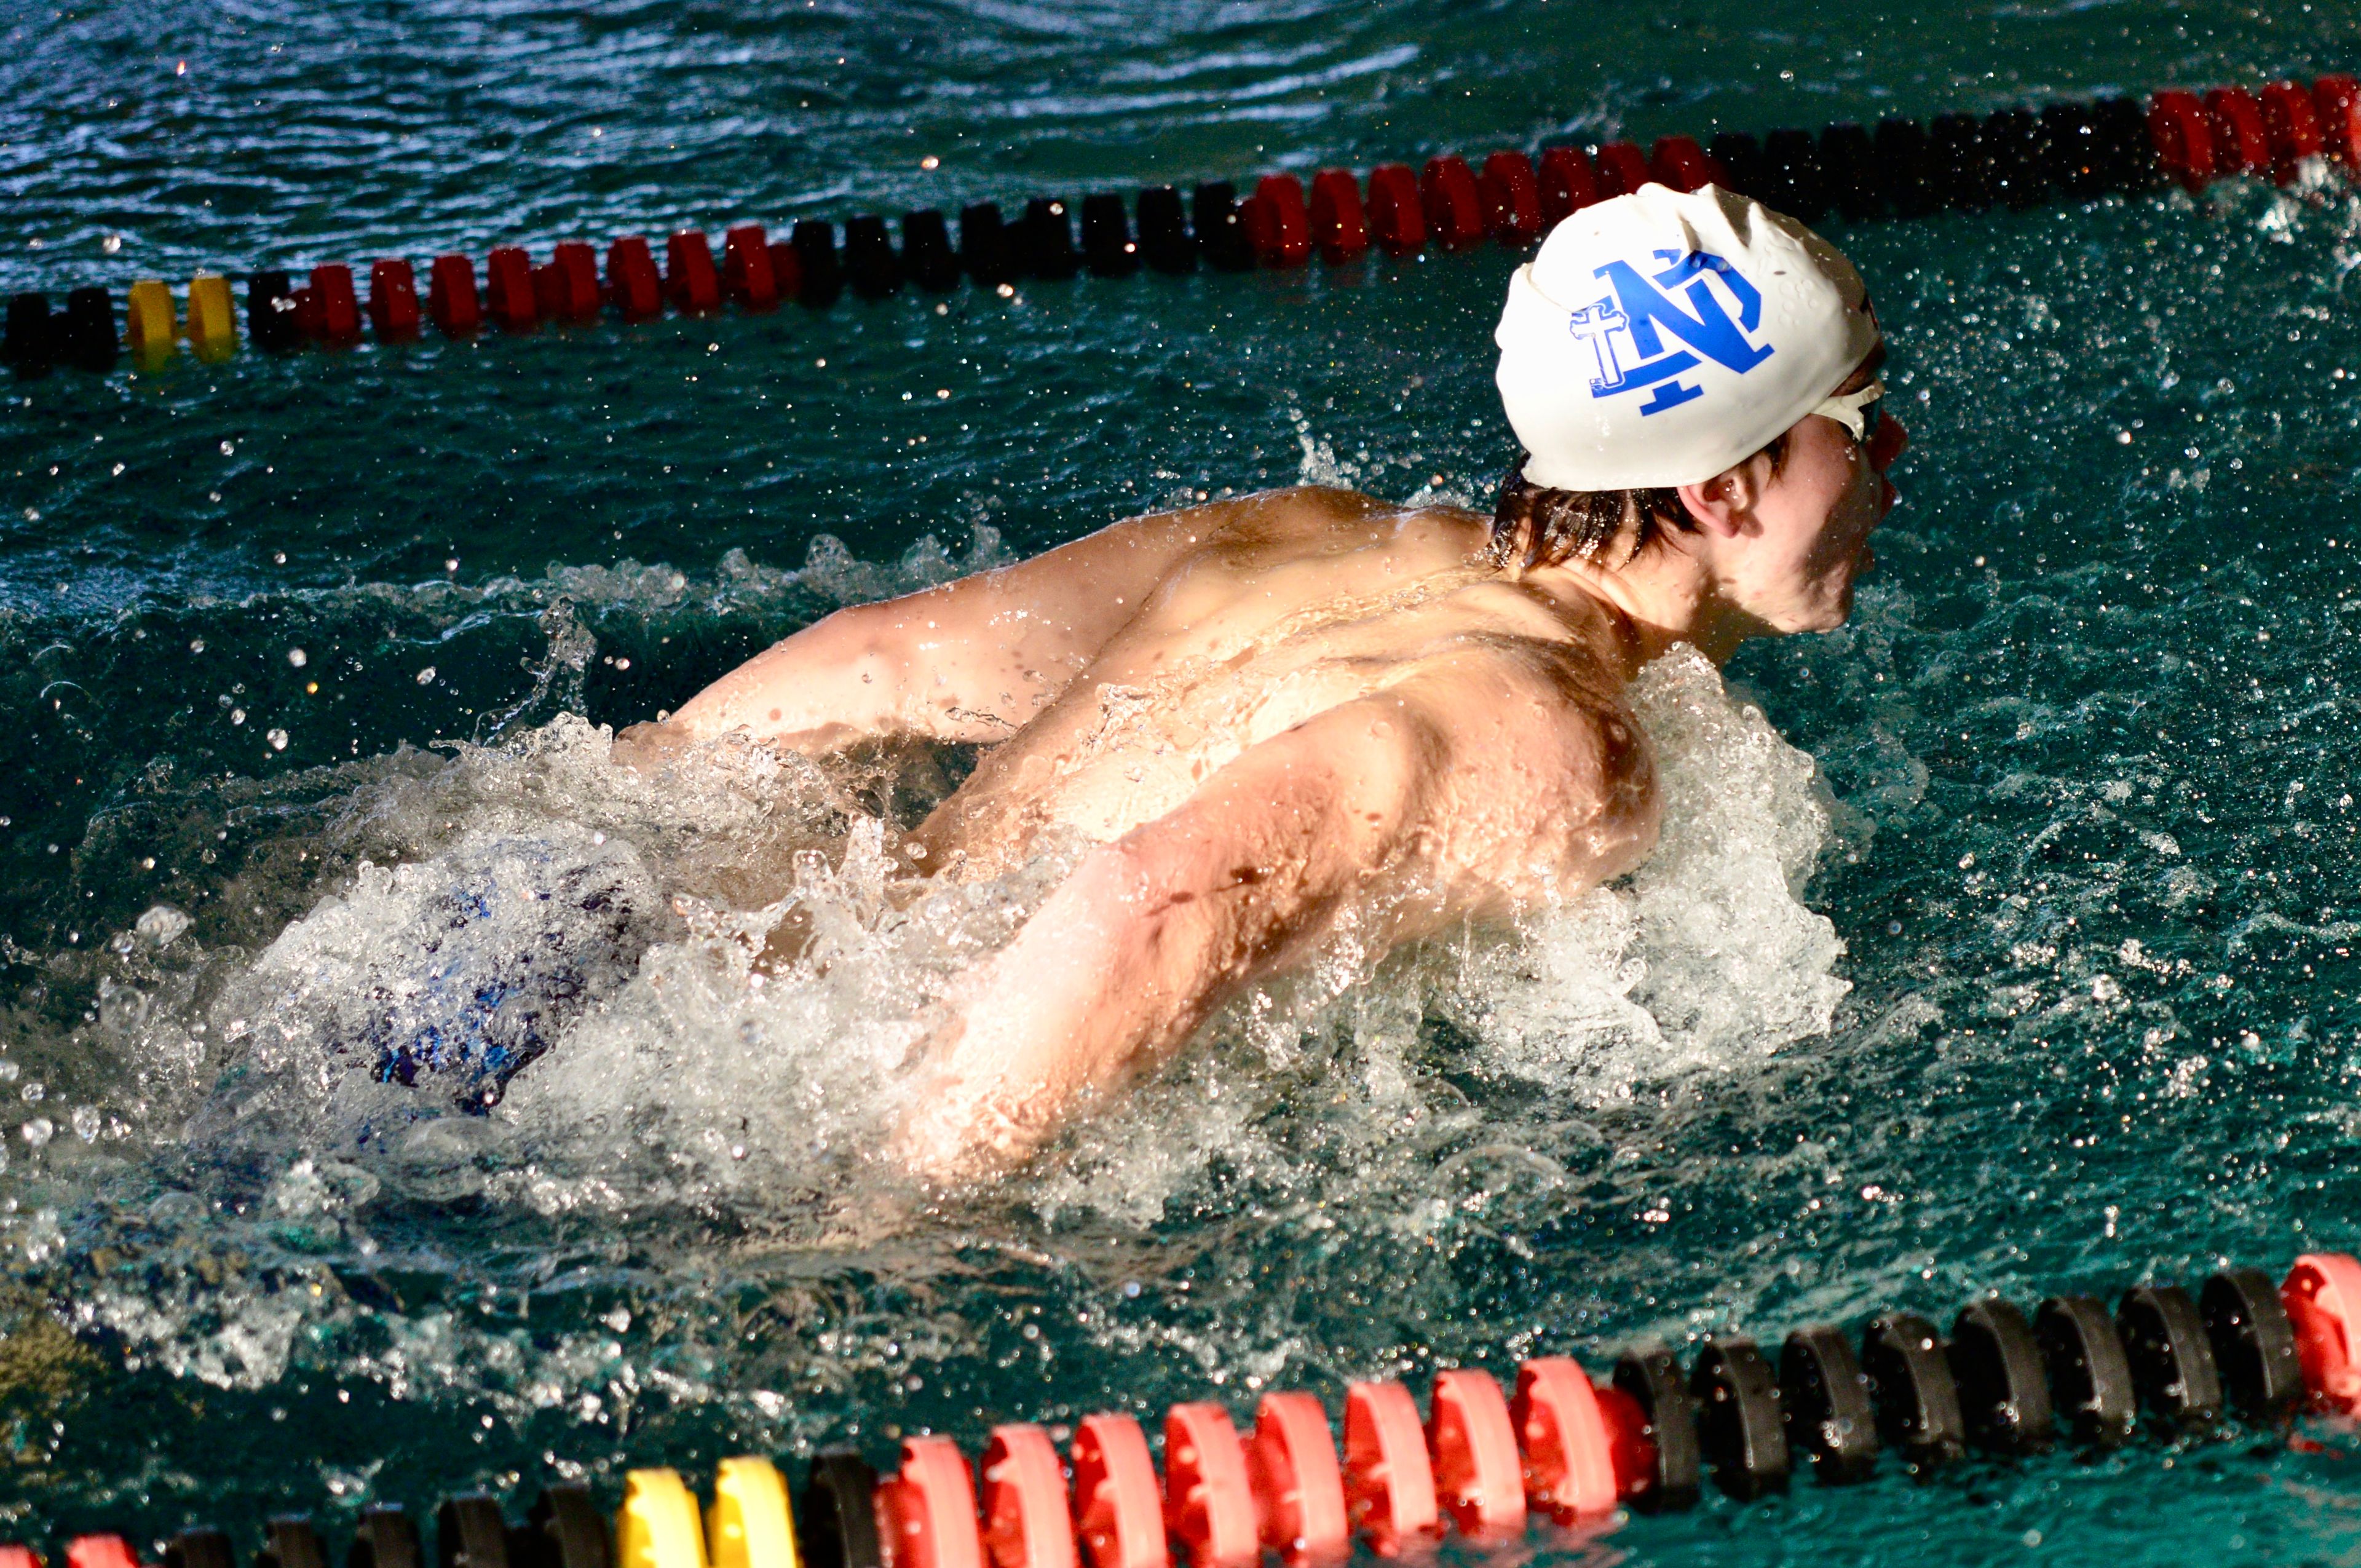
[1268, 611]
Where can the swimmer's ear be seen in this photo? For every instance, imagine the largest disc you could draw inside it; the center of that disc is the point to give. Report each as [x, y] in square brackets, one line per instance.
[1724, 505]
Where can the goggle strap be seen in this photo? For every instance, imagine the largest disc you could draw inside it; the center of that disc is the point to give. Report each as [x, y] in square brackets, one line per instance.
[1846, 407]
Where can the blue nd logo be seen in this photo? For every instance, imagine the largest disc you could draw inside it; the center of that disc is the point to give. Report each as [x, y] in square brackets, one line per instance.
[1622, 328]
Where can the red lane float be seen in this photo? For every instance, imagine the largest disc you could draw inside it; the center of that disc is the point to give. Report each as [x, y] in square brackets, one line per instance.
[1455, 208]
[2183, 136]
[1568, 182]
[1622, 168]
[2322, 1297]
[548, 293]
[1478, 1474]
[1209, 1505]
[1512, 198]
[746, 273]
[1569, 1461]
[1278, 225]
[632, 286]
[690, 282]
[565, 288]
[925, 1511]
[508, 289]
[1681, 164]
[1388, 1479]
[1632, 1450]
[1026, 1522]
[2337, 101]
[393, 300]
[1397, 219]
[100, 1551]
[2241, 145]
[15, 1556]
[327, 310]
[1118, 1504]
[1299, 1488]
[2292, 127]
[451, 300]
[1340, 225]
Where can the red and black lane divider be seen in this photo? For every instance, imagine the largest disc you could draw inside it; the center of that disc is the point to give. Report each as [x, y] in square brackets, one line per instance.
[1898, 168]
[1483, 1461]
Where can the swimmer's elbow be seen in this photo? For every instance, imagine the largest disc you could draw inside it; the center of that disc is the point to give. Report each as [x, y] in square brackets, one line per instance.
[839, 678]
[1630, 810]
[1627, 831]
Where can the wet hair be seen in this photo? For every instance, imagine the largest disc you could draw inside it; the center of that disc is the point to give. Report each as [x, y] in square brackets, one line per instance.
[1534, 526]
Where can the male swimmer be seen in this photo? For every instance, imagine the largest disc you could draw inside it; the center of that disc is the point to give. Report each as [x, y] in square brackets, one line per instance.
[1308, 715]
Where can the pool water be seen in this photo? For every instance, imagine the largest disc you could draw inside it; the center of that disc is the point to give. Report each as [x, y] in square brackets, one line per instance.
[2003, 940]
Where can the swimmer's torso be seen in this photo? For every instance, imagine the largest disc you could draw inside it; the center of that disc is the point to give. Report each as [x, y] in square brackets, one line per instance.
[1270, 621]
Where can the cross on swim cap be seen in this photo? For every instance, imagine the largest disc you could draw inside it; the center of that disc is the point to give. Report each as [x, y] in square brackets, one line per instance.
[1661, 337]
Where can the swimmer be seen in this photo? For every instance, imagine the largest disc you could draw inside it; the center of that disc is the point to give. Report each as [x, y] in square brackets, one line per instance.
[1310, 717]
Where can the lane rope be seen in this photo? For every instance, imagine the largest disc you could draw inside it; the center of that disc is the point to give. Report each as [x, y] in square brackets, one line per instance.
[1567, 1448]
[2013, 158]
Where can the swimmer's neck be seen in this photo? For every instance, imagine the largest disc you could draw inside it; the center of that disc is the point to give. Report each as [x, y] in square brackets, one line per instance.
[1659, 598]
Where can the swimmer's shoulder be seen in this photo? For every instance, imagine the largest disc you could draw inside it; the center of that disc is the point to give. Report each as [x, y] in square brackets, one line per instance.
[1548, 771]
[1297, 520]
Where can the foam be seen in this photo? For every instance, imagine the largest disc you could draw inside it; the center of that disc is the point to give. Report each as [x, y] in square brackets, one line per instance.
[734, 1072]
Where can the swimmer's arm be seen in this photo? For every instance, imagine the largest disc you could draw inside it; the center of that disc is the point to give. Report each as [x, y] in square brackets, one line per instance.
[1395, 810]
[971, 661]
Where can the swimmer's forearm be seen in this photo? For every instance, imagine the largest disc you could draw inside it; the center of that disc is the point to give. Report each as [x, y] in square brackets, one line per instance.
[1153, 933]
[1110, 974]
[1095, 981]
[830, 683]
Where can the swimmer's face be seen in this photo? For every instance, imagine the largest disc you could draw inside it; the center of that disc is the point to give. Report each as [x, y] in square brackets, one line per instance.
[1792, 554]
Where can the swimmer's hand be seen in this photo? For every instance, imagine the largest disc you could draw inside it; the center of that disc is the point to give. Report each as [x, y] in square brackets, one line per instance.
[649, 748]
[1029, 1038]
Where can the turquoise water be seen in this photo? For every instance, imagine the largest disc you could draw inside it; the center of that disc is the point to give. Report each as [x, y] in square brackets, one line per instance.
[2087, 841]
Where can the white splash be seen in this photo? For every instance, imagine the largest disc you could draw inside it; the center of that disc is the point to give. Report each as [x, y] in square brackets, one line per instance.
[1707, 954]
[715, 980]
[749, 966]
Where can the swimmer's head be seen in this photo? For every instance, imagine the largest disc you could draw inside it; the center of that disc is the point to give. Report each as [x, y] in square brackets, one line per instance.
[1697, 365]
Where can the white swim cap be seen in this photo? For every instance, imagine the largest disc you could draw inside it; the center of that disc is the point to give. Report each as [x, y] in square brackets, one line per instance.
[1660, 338]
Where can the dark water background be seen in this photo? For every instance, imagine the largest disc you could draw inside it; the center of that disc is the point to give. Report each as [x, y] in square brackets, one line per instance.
[2090, 724]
